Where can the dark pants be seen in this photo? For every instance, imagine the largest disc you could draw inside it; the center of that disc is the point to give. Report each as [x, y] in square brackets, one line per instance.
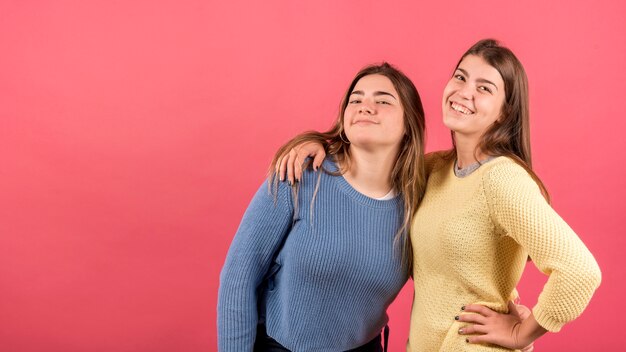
[265, 343]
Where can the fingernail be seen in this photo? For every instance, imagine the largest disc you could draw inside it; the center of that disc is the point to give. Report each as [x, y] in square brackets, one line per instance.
[456, 318]
[460, 331]
[467, 340]
[463, 308]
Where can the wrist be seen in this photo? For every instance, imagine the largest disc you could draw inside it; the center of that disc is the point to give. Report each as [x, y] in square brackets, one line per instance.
[529, 330]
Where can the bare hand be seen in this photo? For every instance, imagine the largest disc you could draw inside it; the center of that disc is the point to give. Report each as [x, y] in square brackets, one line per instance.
[488, 326]
[292, 162]
[524, 312]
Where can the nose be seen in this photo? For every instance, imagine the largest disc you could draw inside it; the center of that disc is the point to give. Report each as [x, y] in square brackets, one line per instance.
[367, 107]
[466, 92]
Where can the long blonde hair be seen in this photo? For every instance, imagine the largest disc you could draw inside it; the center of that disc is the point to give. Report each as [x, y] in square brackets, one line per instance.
[408, 176]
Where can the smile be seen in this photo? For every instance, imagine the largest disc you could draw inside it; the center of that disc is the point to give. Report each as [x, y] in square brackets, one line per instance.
[460, 108]
[364, 122]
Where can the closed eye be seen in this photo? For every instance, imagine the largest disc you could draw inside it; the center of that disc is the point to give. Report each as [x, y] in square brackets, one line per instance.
[355, 101]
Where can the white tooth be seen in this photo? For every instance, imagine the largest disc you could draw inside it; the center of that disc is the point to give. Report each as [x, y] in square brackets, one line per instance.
[461, 109]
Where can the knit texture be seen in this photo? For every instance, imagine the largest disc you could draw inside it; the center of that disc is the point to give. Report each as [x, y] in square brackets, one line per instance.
[329, 286]
[471, 238]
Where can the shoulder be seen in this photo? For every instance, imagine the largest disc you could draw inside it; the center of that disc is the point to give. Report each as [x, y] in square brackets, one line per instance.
[312, 181]
[504, 169]
[434, 161]
[504, 177]
[435, 156]
[329, 166]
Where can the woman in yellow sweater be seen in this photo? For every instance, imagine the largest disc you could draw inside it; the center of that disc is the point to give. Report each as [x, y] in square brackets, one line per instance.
[484, 212]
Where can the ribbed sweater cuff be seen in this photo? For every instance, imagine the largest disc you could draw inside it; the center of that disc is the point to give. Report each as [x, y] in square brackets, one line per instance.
[546, 321]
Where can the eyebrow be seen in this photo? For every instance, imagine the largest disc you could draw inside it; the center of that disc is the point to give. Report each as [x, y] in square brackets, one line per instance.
[376, 93]
[480, 80]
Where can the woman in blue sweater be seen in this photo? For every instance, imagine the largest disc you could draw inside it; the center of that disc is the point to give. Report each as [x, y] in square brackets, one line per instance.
[314, 266]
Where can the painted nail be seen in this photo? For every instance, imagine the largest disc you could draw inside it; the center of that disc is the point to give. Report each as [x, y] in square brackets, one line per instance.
[456, 318]
[467, 340]
[460, 331]
[463, 308]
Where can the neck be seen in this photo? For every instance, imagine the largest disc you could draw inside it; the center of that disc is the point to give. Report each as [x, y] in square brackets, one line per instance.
[467, 151]
[369, 172]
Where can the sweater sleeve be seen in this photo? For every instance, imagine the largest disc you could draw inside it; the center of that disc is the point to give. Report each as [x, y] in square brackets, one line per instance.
[264, 225]
[518, 208]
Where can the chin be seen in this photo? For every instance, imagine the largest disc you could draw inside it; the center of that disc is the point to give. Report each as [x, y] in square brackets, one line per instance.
[450, 123]
[363, 142]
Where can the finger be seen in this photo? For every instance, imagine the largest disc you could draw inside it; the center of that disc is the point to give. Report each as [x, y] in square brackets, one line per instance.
[473, 329]
[313, 149]
[479, 339]
[283, 167]
[290, 162]
[528, 348]
[317, 161]
[477, 308]
[302, 154]
[297, 166]
[471, 318]
[523, 311]
[513, 309]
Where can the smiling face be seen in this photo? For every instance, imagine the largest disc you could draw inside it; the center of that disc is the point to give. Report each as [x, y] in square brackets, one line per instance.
[473, 98]
[374, 116]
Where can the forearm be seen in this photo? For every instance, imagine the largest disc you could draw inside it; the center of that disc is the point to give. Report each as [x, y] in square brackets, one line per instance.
[262, 230]
[236, 323]
[529, 330]
[519, 209]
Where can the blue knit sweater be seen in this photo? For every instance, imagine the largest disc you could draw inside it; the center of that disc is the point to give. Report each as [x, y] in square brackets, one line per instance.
[329, 286]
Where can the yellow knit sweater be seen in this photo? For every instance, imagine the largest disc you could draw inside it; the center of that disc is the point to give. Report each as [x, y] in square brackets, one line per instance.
[471, 237]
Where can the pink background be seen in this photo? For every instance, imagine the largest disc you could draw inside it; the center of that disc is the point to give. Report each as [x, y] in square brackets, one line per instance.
[134, 133]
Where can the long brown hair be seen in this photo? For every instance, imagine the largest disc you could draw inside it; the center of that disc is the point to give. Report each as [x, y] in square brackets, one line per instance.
[510, 135]
[408, 175]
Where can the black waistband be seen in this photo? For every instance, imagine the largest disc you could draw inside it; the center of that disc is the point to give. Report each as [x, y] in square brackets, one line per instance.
[265, 343]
